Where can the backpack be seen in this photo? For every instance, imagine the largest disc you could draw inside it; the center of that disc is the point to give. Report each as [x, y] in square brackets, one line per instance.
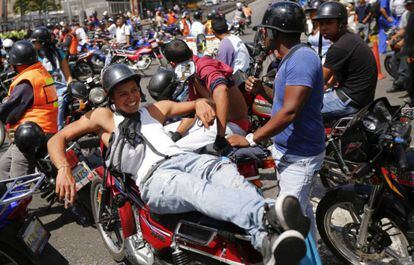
[127, 147]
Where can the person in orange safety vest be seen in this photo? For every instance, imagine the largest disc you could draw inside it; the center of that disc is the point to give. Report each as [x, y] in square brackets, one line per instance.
[185, 24]
[31, 97]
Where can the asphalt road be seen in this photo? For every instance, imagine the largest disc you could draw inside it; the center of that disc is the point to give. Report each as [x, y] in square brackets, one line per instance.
[71, 243]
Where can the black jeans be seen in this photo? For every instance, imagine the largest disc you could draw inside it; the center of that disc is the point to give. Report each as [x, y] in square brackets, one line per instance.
[401, 71]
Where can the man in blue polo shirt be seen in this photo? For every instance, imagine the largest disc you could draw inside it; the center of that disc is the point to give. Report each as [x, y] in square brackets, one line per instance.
[296, 123]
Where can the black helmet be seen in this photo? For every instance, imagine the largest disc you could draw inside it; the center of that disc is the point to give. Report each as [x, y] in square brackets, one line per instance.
[314, 5]
[22, 52]
[78, 90]
[287, 17]
[198, 15]
[115, 74]
[162, 85]
[332, 10]
[41, 34]
[30, 138]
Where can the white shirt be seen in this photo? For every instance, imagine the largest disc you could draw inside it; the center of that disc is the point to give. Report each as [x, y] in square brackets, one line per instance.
[196, 29]
[81, 36]
[122, 33]
[154, 132]
[397, 7]
[112, 30]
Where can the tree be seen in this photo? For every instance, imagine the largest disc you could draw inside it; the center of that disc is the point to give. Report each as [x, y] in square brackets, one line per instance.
[25, 6]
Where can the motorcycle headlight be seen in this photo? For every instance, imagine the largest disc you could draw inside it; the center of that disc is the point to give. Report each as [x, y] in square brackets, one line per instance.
[370, 123]
[97, 95]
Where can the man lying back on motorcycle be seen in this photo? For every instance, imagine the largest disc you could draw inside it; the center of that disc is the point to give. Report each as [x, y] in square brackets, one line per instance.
[182, 181]
[208, 78]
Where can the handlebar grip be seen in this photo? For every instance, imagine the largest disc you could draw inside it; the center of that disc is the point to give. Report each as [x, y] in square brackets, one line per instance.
[402, 157]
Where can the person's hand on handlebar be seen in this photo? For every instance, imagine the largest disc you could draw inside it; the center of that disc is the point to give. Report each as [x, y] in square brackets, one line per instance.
[253, 85]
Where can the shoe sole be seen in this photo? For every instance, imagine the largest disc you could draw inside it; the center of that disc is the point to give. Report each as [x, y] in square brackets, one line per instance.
[288, 249]
[290, 215]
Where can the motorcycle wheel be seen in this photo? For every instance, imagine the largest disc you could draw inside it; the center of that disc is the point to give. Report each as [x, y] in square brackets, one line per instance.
[338, 223]
[388, 65]
[110, 228]
[9, 256]
[83, 71]
[2, 133]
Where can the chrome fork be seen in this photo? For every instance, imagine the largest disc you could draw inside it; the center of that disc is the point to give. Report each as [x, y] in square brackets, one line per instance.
[366, 217]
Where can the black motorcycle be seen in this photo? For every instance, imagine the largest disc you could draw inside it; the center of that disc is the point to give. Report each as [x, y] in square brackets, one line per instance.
[372, 221]
[340, 165]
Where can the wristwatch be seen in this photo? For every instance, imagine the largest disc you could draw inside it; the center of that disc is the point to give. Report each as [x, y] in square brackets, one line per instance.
[249, 138]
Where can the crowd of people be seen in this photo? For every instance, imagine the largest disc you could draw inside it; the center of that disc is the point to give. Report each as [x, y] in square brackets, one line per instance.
[334, 76]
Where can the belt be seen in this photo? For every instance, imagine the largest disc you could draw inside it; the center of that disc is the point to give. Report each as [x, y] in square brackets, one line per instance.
[347, 99]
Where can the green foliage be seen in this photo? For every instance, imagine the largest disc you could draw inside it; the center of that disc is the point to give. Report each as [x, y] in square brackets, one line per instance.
[15, 34]
[25, 6]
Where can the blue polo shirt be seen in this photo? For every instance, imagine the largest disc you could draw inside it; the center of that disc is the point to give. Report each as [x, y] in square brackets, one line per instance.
[305, 136]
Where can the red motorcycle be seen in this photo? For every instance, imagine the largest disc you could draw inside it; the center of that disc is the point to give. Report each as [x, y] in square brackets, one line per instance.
[131, 232]
[137, 60]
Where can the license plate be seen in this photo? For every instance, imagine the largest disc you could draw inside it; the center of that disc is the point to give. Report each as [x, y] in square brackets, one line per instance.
[82, 175]
[34, 236]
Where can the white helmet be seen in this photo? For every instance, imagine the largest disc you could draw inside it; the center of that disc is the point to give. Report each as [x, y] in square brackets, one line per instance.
[105, 13]
[239, 5]
[7, 43]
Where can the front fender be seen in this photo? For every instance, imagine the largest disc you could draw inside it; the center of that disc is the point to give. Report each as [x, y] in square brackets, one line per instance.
[356, 193]
[388, 205]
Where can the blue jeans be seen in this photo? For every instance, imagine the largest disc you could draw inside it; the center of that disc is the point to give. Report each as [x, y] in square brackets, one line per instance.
[296, 176]
[334, 107]
[209, 185]
[62, 105]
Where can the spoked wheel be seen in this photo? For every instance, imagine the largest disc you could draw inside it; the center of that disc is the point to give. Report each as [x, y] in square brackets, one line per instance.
[388, 65]
[338, 223]
[110, 226]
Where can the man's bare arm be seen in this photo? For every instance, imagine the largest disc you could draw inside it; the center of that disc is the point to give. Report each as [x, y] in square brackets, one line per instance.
[221, 98]
[65, 183]
[293, 102]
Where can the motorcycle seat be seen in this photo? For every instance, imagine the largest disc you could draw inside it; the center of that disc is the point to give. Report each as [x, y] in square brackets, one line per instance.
[171, 220]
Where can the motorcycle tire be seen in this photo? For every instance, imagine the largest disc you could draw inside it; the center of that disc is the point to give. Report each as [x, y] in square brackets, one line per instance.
[388, 65]
[2, 133]
[339, 247]
[117, 251]
[9, 255]
[83, 71]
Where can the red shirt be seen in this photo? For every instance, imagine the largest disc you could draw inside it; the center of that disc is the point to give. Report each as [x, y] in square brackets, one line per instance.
[211, 73]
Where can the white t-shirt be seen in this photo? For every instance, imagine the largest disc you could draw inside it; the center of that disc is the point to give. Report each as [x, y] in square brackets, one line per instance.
[404, 20]
[154, 132]
[196, 29]
[122, 33]
[81, 36]
[397, 7]
[112, 30]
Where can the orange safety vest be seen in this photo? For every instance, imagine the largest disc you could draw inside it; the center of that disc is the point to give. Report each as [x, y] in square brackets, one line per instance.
[186, 28]
[171, 19]
[44, 110]
[73, 47]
